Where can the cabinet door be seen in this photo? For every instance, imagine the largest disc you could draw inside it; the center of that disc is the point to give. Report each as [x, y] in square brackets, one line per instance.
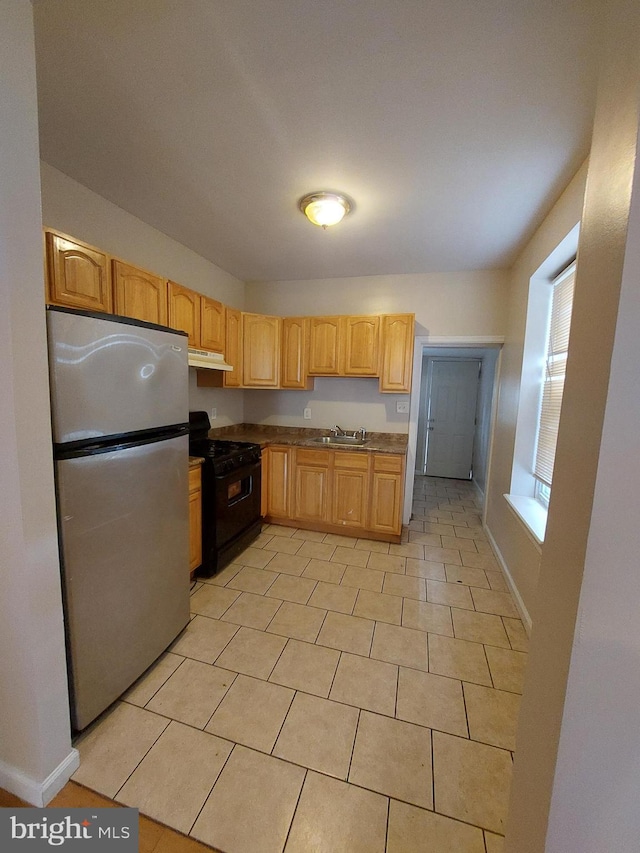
[278, 504]
[311, 485]
[397, 353]
[184, 312]
[211, 324]
[260, 351]
[195, 519]
[350, 493]
[77, 275]
[361, 336]
[324, 346]
[233, 348]
[387, 485]
[295, 351]
[139, 294]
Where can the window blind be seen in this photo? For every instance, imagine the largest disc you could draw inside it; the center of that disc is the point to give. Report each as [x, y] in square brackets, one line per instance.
[555, 369]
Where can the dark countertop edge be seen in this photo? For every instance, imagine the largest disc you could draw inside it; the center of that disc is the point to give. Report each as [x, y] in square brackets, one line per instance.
[378, 442]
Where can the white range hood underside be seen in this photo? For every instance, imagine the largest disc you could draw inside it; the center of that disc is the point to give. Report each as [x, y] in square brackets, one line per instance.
[209, 360]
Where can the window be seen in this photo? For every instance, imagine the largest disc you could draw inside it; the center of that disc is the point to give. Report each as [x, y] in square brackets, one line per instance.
[544, 359]
[553, 382]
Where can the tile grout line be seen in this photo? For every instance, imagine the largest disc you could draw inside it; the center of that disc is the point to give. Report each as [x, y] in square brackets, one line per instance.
[211, 790]
[293, 815]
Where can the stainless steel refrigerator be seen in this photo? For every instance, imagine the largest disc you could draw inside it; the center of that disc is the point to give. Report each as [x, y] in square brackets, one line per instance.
[119, 394]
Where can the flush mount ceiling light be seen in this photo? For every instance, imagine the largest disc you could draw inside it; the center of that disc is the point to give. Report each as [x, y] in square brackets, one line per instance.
[324, 209]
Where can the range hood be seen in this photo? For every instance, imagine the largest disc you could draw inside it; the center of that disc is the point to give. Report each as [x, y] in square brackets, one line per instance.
[208, 360]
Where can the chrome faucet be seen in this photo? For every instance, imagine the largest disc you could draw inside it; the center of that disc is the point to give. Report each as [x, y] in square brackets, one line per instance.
[337, 430]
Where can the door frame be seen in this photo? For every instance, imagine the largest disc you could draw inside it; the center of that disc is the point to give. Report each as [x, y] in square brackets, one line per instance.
[420, 342]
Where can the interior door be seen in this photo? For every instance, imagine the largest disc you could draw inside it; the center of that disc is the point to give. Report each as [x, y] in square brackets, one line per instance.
[451, 417]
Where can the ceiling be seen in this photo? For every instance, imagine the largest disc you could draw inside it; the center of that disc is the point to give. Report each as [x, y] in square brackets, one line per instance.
[452, 124]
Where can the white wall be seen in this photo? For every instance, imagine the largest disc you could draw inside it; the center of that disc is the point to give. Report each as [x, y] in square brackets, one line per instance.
[74, 209]
[228, 402]
[351, 403]
[36, 758]
[576, 783]
[517, 549]
[461, 304]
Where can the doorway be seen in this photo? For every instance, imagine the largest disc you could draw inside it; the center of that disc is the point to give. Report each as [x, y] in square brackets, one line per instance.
[450, 417]
[487, 356]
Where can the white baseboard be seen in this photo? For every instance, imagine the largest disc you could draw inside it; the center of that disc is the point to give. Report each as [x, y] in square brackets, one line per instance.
[524, 613]
[39, 793]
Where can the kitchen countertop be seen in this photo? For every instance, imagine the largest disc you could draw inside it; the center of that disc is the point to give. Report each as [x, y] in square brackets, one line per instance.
[195, 461]
[378, 442]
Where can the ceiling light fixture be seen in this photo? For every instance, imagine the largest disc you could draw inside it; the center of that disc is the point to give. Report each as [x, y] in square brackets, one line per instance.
[324, 209]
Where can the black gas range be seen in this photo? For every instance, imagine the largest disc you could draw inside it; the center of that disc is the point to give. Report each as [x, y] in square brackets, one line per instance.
[231, 483]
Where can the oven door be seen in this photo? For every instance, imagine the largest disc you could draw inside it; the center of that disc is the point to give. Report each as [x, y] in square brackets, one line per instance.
[237, 502]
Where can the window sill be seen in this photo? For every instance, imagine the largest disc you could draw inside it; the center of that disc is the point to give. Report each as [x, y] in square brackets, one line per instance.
[532, 514]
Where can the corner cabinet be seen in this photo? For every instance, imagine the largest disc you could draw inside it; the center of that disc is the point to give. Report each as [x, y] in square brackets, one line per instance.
[77, 274]
[139, 294]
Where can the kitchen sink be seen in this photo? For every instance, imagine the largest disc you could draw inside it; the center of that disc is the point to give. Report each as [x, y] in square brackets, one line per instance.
[341, 439]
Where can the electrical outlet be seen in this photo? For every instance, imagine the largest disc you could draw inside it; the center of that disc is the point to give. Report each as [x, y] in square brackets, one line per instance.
[402, 407]
[307, 414]
[214, 414]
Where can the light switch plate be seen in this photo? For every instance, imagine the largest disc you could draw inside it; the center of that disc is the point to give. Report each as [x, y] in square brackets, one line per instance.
[307, 414]
[402, 407]
[214, 414]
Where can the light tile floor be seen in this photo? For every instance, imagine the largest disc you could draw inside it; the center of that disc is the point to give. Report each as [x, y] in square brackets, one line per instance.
[332, 694]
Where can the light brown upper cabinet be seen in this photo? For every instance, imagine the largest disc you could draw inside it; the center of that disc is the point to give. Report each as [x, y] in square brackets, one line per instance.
[361, 340]
[324, 346]
[260, 351]
[184, 311]
[295, 353]
[77, 274]
[233, 348]
[344, 346]
[396, 363]
[139, 294]
[212, 328]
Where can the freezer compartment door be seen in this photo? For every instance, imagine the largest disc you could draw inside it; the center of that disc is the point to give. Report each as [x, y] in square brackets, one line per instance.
[124, 532]
[109, 376]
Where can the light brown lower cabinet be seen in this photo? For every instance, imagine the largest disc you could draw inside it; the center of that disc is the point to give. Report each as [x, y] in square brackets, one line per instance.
[387, 485]
[195, 518]
[311, 485]
[276, 482]
[334, 491]
[350, 492]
